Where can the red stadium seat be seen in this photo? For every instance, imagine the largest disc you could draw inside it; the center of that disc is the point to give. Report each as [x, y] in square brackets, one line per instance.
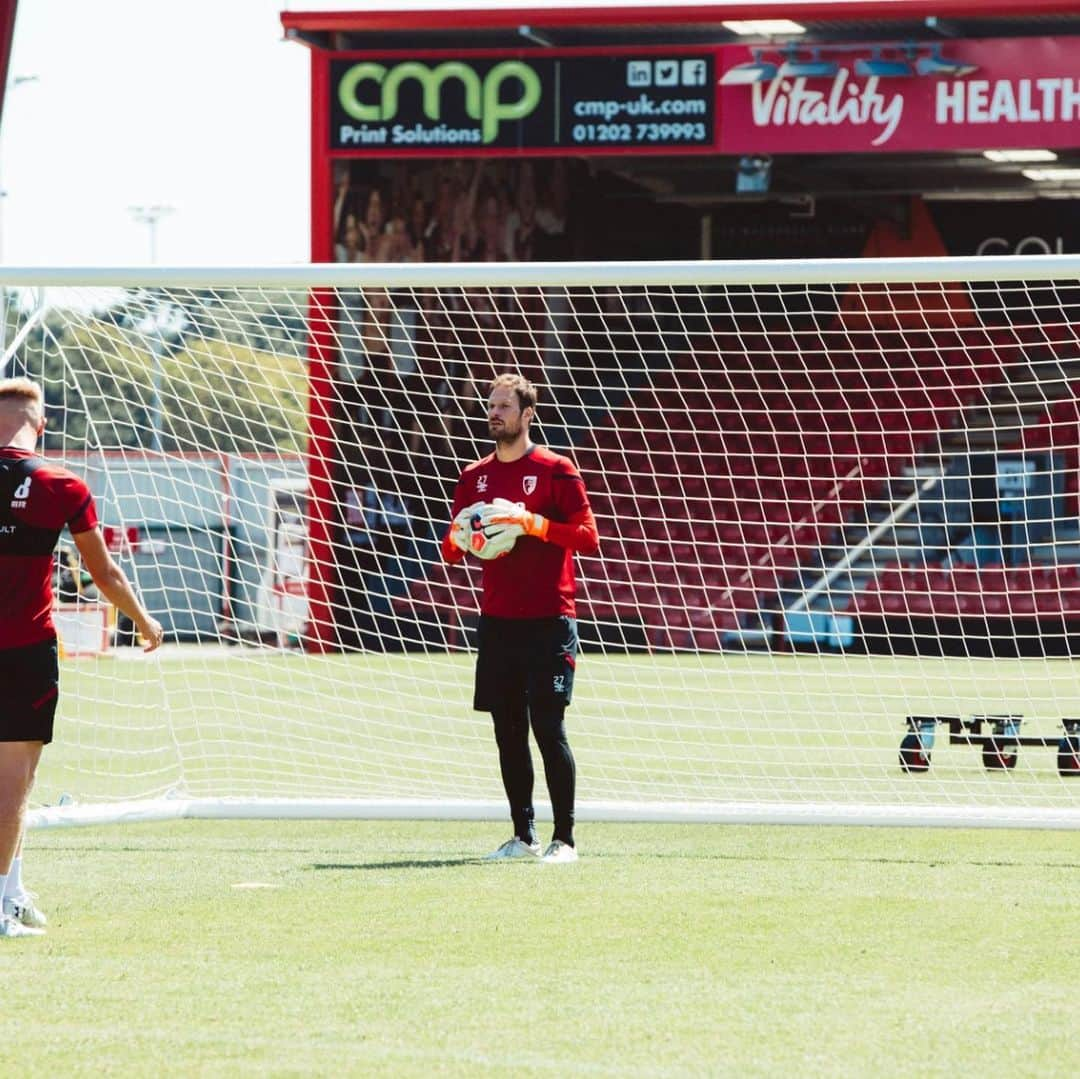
[760, 466]
[670, 629]
[1069, 586]
[1021, 591]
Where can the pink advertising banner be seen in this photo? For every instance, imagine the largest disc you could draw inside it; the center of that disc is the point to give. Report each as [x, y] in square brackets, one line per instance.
[950, 95]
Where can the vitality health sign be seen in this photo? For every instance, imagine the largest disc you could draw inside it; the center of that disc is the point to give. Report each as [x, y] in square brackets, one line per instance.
[959, 95]
[652, 103]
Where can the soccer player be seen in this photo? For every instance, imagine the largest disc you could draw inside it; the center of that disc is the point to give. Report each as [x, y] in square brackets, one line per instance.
[527, 634]
[36, 501]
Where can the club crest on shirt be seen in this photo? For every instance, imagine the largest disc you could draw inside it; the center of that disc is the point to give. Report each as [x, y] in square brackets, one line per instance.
[481, 482]
[529, 484]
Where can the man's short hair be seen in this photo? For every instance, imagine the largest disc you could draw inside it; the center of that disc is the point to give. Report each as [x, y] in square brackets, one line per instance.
[525, 390]
[16, 391]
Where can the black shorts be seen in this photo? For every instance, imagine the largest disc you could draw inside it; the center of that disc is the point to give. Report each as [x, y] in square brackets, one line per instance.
[524, 660]
[31, 680]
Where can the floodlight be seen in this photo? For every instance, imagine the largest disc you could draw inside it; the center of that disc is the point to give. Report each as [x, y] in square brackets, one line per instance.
[815, 68]
[757, 70]
[1015, 156]
[936, 64]
[763, 27]
[1051, 176]
[878, 67]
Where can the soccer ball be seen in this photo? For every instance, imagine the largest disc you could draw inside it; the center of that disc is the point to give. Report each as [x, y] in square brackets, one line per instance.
[476, 535]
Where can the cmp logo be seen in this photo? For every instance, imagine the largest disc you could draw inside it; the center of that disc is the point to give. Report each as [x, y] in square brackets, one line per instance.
[490, 99]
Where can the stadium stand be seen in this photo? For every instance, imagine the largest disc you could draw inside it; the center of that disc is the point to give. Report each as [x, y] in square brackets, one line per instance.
[739, 461]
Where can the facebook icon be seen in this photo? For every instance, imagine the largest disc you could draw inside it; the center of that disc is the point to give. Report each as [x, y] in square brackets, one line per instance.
[693, 73]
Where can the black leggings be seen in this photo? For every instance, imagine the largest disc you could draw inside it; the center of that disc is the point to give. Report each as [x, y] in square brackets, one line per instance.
[515, 763]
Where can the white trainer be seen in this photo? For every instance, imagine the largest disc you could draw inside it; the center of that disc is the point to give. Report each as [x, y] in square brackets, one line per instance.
[23, 909]
[9, 927]
[514, 848]
[559, 853]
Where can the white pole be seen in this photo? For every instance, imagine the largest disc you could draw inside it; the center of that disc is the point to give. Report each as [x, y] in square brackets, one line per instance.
[150, 216]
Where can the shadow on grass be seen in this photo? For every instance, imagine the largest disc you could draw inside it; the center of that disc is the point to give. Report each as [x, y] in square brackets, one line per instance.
[433, 863]
[839, 859]
[929, 863]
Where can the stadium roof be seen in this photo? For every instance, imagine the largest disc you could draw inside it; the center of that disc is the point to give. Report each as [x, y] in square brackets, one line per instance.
[632, 22]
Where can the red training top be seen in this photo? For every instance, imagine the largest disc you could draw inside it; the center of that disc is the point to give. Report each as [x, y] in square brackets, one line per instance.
[536, 579]
[36, 501]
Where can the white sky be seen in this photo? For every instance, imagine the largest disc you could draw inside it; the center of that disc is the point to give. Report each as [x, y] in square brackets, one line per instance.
[196, 104]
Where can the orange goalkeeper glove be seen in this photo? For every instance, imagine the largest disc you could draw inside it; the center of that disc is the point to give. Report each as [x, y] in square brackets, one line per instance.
[504, 512]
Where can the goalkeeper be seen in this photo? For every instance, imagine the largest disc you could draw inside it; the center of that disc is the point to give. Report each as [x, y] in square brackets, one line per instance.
[523, 510]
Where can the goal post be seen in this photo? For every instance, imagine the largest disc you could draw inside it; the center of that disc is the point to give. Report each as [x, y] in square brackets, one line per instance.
[839, 575]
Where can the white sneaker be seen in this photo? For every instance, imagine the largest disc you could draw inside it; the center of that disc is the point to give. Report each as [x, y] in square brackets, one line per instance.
[9, 927]
[23, 909]
[515, 848]
[559, 853]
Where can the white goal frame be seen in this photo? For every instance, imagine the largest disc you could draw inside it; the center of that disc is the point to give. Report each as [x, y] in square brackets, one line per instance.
[810, 274]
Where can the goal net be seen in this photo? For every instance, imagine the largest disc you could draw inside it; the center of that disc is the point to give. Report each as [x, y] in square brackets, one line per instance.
[839, 575]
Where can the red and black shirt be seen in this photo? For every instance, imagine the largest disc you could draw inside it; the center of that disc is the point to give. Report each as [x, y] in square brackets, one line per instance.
[536, 579]
[37, 500]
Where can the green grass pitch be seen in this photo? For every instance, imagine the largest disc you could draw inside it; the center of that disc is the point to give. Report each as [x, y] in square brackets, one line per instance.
[236, 948]
[367, 948]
